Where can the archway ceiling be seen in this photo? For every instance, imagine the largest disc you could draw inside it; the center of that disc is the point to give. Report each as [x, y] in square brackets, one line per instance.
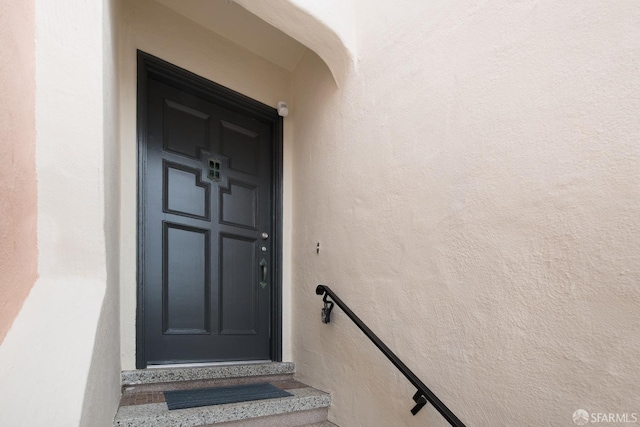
[242, 27]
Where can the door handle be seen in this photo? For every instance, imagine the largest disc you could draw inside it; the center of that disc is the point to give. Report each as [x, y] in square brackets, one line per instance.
[263, 273]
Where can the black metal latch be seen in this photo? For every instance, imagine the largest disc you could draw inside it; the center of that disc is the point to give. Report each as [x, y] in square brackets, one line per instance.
[326, 311]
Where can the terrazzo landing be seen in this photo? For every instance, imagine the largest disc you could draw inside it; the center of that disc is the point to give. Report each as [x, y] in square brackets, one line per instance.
[301, 419]
[158, 415]
[163, 375]
[323, 424]
[154, 393]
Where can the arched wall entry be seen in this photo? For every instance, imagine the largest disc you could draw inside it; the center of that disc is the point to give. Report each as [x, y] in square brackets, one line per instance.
[324, 27]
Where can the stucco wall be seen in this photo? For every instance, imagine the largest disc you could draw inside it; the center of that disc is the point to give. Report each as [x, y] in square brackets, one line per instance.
[18, 188]
[474, 188]
[158, 30]
[102, 393]
[50, 356]
[326, 27]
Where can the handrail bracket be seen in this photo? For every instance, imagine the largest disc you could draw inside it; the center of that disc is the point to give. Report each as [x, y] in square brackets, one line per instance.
[326, 311]
[420, 400]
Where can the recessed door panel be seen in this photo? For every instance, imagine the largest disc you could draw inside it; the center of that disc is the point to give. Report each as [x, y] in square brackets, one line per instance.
[186, 130]
[238, 286]
[186, 280]
[184, 192]
[239, 205]
[239, 144]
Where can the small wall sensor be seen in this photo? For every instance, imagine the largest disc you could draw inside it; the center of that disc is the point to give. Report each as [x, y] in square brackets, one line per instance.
[282, 109]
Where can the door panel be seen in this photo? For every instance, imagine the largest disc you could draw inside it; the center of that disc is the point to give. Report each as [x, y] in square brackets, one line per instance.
[239, 205]
[186, 281]
[184, 191]
[237, 286]
[207, 198]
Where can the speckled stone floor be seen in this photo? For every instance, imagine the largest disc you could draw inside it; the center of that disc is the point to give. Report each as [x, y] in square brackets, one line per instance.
[247, 371]
[143, 403]
[132, 395]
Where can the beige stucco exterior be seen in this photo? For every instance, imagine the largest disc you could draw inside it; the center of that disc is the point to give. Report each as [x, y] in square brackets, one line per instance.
[474, 187]
[326, 27]
[470, 170]
[18, 189]
[59, 363]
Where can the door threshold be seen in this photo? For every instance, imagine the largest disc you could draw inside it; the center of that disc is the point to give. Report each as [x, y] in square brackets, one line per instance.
[208, 364]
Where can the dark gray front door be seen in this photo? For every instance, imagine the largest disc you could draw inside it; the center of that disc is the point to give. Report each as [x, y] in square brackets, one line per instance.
[206, 241]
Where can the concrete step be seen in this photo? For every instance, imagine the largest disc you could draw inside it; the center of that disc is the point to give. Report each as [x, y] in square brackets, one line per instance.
[142, 402]
[250, 372]
[322, 424]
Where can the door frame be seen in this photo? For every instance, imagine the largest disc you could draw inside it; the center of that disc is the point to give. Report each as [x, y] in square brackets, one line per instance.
[151, 66]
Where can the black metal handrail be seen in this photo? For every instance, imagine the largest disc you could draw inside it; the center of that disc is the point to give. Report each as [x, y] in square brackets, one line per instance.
[423, 395]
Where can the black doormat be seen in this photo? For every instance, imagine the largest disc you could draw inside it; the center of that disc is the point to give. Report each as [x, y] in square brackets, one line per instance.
[180, 399]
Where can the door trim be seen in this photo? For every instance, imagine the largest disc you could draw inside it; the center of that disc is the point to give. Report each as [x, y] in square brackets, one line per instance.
[151, 66]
